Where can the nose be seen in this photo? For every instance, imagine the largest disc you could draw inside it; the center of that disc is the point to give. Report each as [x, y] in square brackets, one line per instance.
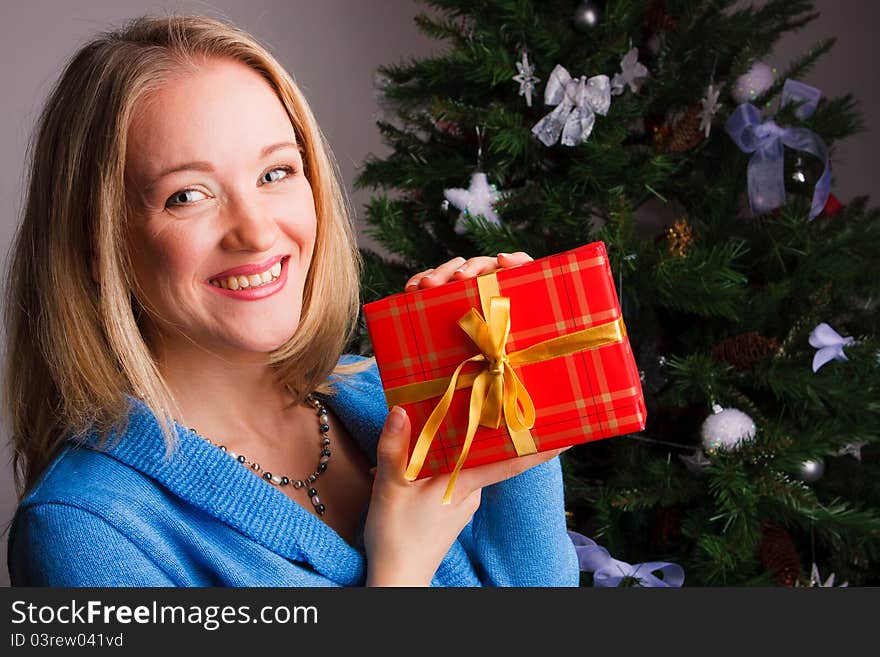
[250, 224]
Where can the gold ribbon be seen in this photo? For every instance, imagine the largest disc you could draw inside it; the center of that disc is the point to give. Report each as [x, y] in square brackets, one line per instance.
[496, 390]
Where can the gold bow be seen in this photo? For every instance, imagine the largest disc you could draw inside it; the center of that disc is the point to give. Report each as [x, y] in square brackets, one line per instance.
[496, 390]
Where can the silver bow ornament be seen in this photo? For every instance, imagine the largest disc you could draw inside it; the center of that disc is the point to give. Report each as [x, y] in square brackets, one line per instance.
[830, 345]
[577, 101]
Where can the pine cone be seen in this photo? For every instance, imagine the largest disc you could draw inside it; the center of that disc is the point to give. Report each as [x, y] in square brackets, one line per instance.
[744, 351]
[685, 134]
[779, 555]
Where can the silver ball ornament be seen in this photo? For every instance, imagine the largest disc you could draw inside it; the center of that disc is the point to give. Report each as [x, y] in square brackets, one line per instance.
[811, 470]
[727, 428]
[586, 16]
[758, 79]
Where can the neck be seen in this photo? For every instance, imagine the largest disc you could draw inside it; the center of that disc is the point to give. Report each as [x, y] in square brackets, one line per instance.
[226, 397]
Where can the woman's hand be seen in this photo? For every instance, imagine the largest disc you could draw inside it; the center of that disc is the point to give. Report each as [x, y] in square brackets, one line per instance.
[408, 529]
[459, 268]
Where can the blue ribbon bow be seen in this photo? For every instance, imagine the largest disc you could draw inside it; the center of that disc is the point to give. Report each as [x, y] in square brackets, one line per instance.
[765, 140]
[609, 572]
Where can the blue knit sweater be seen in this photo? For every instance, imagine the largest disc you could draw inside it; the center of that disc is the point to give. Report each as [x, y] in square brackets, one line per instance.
[127, 516]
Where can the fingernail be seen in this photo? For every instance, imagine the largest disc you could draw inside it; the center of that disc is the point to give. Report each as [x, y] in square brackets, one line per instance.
[505, 255]
[461, 269]
[395, 419]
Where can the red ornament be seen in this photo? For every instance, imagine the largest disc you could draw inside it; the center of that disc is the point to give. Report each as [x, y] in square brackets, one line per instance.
[779, 554]
[832, 206]
[449, 127]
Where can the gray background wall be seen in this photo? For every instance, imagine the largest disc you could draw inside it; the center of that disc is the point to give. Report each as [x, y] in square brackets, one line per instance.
[333, 49]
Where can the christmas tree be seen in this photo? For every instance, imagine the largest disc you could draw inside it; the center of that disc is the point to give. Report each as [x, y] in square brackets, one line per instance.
[749, 291]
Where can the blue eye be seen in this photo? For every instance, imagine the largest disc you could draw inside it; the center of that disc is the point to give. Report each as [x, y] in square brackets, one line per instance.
[182, 198]
[287, 170]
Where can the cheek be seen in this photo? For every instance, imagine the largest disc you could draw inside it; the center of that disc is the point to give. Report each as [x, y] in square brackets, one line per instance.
[308, 217]
[297, 210]
[164, 261]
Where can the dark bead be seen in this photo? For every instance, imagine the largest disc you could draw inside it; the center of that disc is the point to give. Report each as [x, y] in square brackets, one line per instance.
[313, 492]
[322, 467]
[255, 466]
[222, 448]
[267, 476]
[241, 458]
[325, 428]
[322, 411]
[320, 509]
[326, 452]
[284, 481]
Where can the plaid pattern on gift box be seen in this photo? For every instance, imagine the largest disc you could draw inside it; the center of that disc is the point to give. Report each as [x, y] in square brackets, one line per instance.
[588, 395]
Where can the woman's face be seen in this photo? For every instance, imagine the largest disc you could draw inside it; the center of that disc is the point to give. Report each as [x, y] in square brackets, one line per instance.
[216, 183]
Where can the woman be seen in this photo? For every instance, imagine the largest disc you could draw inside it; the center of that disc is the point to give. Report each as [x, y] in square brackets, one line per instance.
[180, 292]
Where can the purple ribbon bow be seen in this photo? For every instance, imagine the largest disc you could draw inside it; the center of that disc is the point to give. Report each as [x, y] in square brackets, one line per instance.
[830, 345]
[765, 140]
[609, 572]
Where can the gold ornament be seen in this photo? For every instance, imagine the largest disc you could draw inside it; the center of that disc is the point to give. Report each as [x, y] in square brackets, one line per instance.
[680, 237]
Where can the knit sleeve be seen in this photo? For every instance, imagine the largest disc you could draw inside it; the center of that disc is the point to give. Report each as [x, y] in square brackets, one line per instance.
[518, 535]
[60, 545]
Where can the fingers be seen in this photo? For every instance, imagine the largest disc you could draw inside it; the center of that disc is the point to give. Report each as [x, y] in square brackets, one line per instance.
[513, 259]
[414, 282]
[436, 276]
[459, 269]
[393, 447]
[492, 473]
[475, 267]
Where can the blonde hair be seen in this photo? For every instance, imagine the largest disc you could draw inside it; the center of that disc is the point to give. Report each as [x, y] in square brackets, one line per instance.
[74, 348]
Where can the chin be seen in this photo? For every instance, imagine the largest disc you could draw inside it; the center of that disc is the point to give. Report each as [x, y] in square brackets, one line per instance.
[272, 343]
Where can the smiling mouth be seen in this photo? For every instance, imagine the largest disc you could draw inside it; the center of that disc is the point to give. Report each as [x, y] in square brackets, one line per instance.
[242, 282]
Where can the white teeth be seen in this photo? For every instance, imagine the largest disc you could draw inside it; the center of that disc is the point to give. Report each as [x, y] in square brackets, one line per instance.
[244, 282]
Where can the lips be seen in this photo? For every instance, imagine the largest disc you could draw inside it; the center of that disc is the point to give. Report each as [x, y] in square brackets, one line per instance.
[255, 293]
[247, 270]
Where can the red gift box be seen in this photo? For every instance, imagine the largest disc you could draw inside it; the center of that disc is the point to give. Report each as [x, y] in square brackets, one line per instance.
[566, 354]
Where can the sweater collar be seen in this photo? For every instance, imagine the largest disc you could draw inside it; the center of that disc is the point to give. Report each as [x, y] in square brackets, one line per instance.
[214, 482]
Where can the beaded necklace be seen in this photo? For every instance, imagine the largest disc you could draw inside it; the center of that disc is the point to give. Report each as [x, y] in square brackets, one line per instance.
[281, 482]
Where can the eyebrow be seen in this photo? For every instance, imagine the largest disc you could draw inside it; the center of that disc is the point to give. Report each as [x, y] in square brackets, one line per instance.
[201, 165]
